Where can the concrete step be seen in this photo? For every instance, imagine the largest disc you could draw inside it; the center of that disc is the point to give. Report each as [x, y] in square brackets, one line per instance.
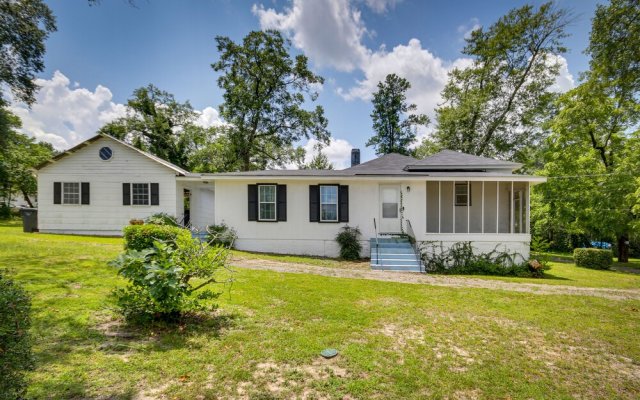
[394, 261]
[403, 268]
[393, 256]
[383, 251]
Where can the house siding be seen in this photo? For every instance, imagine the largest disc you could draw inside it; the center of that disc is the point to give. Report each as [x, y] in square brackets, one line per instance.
[105, 215]
[300, 236]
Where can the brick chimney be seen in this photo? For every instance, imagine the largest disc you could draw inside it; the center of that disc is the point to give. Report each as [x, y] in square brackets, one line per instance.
[355, 157]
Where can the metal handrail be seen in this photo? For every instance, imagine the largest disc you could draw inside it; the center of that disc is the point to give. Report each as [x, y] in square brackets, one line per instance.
[375, 228]
[414, 243]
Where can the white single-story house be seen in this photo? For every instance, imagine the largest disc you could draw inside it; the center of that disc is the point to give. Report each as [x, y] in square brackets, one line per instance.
[98, 186]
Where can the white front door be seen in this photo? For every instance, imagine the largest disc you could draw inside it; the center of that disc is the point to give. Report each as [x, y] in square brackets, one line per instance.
[390, 209]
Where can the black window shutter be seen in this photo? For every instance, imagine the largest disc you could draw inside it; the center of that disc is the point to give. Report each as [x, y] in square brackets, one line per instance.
[155, 194]
[253, 202]
[86, 195]
[282, 202]
[343, 200]
[126, 194]
[314, 203]
[57, 193]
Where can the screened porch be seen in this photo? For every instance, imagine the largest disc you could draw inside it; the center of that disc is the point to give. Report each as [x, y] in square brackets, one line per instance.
[478, 207]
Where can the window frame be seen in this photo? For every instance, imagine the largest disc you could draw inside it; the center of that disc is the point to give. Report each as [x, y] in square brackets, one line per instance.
[337, 204]
[63, 192]
[131, 194]
[274, 202]
[466, 194]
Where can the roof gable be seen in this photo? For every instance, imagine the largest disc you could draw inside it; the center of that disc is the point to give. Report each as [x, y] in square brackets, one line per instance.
[99, 136]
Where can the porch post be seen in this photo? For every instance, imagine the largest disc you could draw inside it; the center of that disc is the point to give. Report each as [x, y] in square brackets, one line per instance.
[439, 204]
[426, 207]
[482, 215]
[468, 206]
[511, 222]
[497, 206]
[528, 207]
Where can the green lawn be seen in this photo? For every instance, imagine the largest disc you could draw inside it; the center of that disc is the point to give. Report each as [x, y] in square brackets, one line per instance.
[395, 340]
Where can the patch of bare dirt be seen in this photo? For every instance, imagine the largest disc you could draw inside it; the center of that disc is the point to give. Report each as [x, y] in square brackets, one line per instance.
[284, 380]
[438, 280]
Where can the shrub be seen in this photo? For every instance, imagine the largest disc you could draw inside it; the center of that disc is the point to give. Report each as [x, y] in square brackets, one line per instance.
[349, 240]
[162, 219]
[5, 211]
[221, 234]
[15, 342]
[593, 258]
[140, 237]
[160, 279]
[461, 259]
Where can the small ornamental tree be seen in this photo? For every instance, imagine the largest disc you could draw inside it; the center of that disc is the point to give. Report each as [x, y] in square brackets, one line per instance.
[161, 279]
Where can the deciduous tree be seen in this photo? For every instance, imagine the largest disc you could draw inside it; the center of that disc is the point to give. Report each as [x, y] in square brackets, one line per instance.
[495, 106]
[24, 27]
[264, 93]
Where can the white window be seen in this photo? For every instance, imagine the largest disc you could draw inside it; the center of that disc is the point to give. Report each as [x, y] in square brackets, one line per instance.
[267, 202]
[140, 194]
[71, 193]
[328, 203]
[463, 194]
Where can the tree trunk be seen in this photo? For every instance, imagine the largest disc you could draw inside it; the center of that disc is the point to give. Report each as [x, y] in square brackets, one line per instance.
[623, 248]
[26, 197]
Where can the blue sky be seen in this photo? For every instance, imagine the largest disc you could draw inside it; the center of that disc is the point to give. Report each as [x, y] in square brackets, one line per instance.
[100, 54]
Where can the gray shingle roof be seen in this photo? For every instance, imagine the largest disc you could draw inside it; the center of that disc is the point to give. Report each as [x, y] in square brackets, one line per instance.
[454, 159]
[444, 162]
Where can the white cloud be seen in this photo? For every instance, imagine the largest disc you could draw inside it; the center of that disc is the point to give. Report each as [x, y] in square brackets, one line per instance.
[65, 114]
[466, 29]
[338, 152]
[426, 73]
[208, 117]
[381, 6]
[565, 80]
[329, 31]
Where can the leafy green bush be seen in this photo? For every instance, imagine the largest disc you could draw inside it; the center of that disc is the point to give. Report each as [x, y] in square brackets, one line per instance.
[5, 211]
[221, 234]
[461, 259]
[160, 279]
[140, 237]
[15, 342]
[162, 219]
[593, 258]
[349, 241]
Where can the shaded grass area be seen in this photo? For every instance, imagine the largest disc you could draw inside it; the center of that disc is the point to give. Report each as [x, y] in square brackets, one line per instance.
[395, 340]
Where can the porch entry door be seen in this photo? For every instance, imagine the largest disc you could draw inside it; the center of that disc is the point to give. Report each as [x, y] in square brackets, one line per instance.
[390, 209]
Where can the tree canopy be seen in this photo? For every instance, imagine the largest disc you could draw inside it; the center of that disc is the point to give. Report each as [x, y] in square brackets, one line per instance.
[156, 122]
[264, 91]
[24, 27]
[591, 155]
[495, 107]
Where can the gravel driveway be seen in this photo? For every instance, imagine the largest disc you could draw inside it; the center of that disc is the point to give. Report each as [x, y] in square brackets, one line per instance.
[437, 280]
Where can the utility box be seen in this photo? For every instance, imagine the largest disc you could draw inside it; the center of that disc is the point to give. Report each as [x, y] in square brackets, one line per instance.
[29, 219]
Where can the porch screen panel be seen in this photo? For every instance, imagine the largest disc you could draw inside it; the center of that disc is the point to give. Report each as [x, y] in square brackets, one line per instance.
[461, 207]
[520, 207]
[475, 210]
[490, 207]
[433, 208]
[447, 204]
[504, 219]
